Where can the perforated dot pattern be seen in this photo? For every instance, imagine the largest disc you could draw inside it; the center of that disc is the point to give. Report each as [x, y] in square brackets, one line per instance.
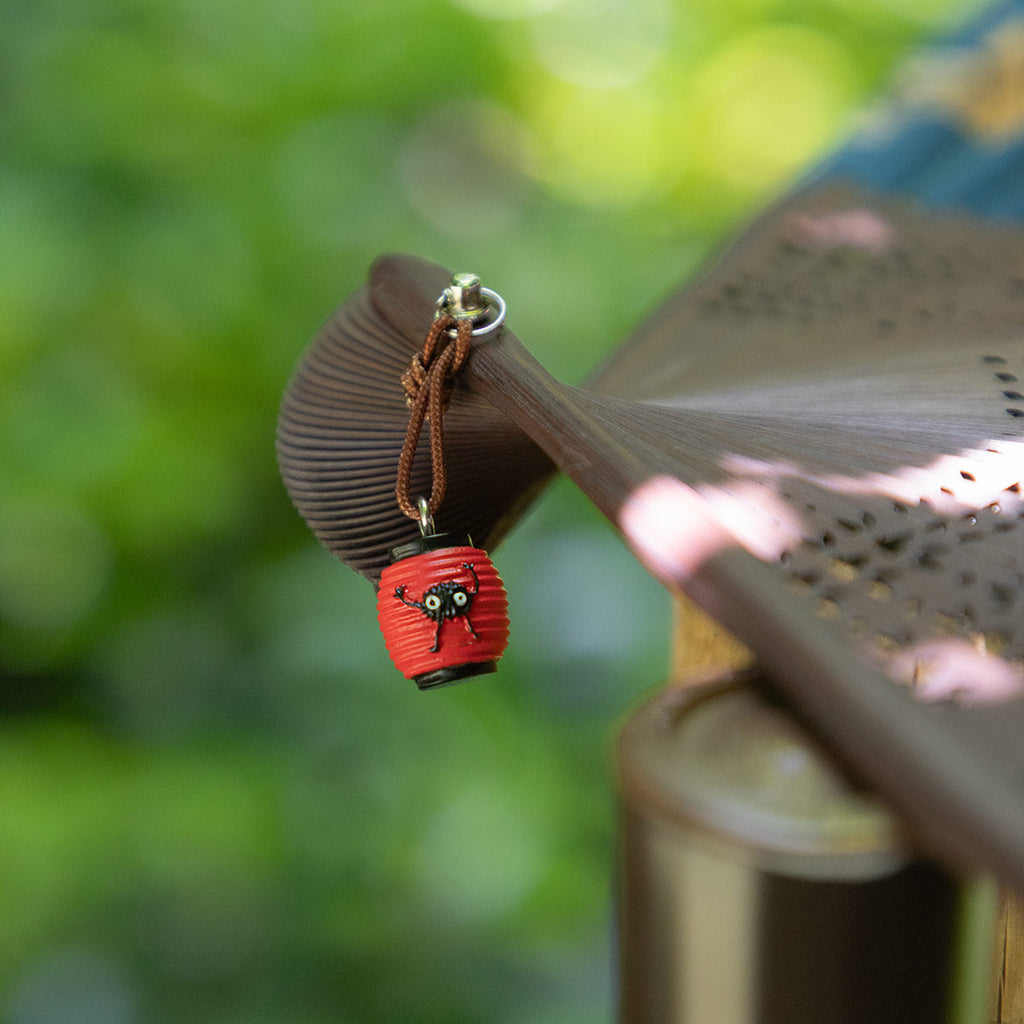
[951, 563]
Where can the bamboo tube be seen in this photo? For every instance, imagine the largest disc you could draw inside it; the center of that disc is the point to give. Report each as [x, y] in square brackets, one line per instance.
[759, 885]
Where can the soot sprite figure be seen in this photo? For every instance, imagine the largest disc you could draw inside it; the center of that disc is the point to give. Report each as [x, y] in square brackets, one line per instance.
[448, 599]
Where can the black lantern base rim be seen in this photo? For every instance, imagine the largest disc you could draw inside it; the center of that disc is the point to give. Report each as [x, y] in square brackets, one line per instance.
[430, 542]
[454, 674]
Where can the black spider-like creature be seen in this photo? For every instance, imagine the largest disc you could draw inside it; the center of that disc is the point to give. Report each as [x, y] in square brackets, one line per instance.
[445, 600]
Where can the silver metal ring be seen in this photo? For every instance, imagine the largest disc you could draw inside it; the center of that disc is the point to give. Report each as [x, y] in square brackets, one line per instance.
[497, 303]
[494, 302]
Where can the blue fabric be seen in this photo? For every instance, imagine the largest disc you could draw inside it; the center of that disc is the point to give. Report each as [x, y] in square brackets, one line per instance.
[954, 137]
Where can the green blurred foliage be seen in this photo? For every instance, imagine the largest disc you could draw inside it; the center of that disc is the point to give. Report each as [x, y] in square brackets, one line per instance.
[218, 803]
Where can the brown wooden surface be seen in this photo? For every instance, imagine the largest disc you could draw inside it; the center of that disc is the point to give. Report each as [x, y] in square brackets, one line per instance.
[698, 643]
[956, 772]
[1009, 961]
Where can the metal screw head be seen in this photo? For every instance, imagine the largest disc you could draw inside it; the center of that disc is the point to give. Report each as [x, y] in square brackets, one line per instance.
[466, 299]
[463, 297]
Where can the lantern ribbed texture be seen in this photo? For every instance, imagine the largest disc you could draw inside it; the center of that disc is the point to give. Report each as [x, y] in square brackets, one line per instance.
[409, 632]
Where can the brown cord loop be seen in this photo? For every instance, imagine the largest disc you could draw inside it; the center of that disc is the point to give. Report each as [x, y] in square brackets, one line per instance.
[428, 387]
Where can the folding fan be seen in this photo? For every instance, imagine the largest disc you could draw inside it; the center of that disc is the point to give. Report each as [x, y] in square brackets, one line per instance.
[821, 441]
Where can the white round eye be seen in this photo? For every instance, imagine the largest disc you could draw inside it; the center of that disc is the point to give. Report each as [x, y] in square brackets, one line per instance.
[460, 597]
[432, 602]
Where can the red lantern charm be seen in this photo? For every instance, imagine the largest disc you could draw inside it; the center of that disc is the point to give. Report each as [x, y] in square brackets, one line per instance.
[443, 610]
[441, 603]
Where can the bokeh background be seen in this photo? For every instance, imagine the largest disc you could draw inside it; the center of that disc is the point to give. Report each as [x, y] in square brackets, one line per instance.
[218, 802]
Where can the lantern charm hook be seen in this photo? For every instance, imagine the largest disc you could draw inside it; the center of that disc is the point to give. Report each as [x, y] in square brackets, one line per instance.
[426, 519]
